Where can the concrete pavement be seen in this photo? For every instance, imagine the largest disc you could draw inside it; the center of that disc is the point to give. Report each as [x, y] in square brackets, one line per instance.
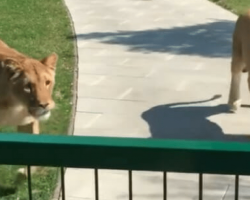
[149, 68]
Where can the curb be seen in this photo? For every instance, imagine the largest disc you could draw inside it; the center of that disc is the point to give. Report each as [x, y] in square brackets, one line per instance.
[57, 191]
[222, 7]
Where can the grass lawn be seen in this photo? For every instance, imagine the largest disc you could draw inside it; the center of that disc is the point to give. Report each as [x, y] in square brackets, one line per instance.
[236, 6]
[38, 28]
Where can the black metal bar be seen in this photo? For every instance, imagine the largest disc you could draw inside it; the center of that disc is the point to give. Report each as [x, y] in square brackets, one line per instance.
[62, 183]
[236, 193]
[130, 185]
[96, 185]
[29, 182]
[200, 186]
[164, 185]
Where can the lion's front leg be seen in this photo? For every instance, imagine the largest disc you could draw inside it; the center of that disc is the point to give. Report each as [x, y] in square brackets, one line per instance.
[22, 172]
[234, 100]
[234, 95]
[29, 128]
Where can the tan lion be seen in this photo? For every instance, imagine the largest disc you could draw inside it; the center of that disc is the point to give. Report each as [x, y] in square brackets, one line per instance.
[240, 58]
[26, 86]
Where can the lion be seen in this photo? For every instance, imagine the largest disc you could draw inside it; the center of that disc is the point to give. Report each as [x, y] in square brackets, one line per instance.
[240, 59]
[26, 86]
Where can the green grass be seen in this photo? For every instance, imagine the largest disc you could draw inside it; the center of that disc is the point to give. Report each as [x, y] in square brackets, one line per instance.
[236, 6]
[38, 28]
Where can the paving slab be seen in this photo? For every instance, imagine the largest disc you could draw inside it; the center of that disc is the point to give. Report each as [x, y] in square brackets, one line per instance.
[145, 65]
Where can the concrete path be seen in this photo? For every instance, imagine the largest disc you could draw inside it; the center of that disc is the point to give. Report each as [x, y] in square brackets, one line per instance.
[150, 68]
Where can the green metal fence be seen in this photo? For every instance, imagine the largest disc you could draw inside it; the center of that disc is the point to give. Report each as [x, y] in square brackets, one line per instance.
[126, 154]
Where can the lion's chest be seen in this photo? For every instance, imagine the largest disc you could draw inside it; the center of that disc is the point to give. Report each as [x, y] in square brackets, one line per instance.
[14, 115]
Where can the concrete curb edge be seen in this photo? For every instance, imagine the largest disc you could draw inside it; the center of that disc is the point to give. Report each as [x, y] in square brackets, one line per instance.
[57, 191]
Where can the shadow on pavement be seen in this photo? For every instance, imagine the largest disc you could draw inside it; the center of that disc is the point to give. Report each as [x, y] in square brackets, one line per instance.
[209, 40]
[187, 121]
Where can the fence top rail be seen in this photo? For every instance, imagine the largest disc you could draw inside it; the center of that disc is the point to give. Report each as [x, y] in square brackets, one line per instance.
[126, 153]
[44, 139]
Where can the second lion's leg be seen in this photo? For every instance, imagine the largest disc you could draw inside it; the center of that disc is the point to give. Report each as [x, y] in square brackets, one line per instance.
[234, 100]
[237, 67]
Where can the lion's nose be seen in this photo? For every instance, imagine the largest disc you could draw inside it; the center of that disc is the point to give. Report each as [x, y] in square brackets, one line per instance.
[43, 105]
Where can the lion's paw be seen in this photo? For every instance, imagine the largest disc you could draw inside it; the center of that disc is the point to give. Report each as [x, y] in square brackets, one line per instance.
[235, 105]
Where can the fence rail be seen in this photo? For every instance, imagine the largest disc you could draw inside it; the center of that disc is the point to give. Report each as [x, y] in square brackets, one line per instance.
[126, 154]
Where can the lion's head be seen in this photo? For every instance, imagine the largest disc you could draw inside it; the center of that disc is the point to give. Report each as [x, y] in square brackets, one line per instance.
[31, 83]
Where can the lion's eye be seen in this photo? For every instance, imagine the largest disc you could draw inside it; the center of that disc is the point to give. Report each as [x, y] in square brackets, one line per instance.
[47, 83]
[27, 88]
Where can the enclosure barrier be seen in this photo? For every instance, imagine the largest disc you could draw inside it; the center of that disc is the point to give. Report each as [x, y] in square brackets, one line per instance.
[126, 154]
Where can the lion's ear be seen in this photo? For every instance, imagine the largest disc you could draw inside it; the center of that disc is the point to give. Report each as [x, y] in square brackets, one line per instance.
[11, 66]
[50, 60]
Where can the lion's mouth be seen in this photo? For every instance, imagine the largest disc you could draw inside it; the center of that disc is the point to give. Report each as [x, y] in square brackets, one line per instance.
[40, 113]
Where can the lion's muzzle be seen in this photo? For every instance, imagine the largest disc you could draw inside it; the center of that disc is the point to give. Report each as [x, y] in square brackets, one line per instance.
[41, 112]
